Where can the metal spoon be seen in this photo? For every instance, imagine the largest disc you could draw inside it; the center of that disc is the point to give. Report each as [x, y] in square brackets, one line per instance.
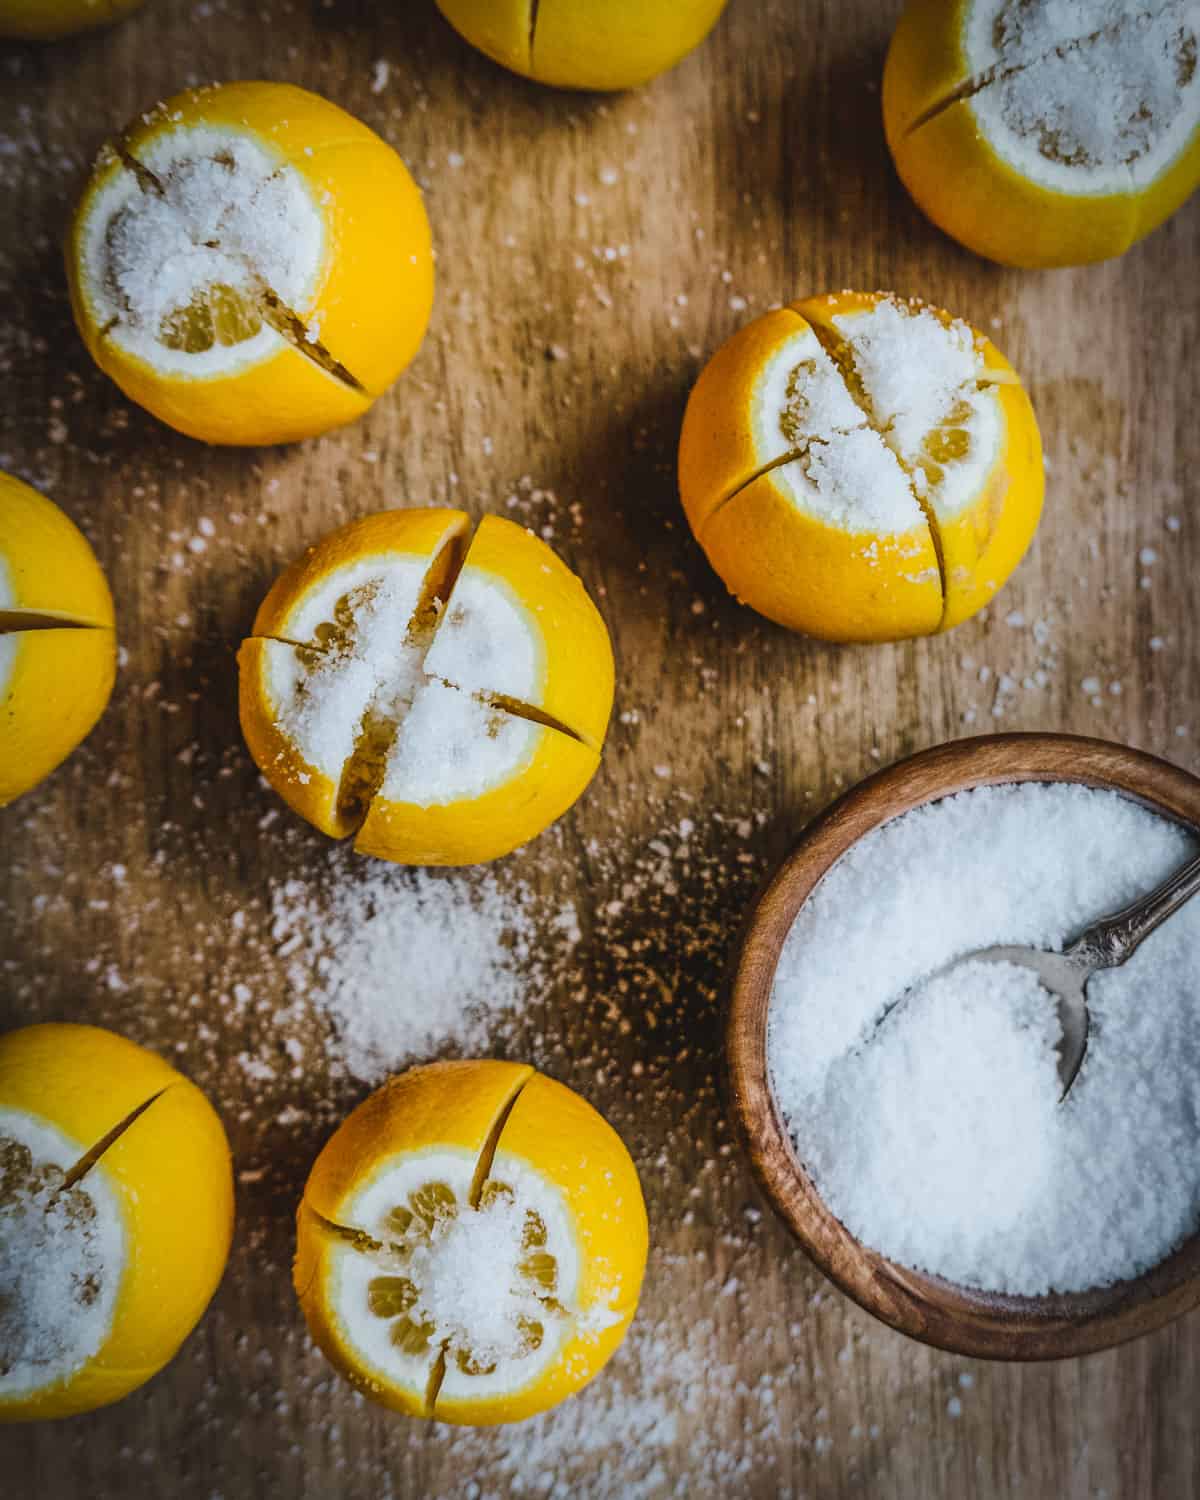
[1106, 944]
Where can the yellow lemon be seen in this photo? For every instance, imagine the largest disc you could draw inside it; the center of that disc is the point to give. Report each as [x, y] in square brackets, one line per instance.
[442, 697]
[584, 44]
[116, 1211]
[58, 648]
[861, 468]
[471, 1243]
[251, 264]
[1045, 132]
[46, 20]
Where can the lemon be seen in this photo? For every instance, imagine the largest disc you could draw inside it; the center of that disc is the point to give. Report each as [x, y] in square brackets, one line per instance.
[471, 1243]
[251, 264]
[116, 1211]
[47, 20]
[861, 468]
[1045, 132]
[58, 649]
[585, 44]
[441, 697]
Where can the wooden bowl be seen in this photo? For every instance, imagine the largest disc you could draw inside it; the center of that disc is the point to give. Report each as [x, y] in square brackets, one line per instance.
[929, 1308]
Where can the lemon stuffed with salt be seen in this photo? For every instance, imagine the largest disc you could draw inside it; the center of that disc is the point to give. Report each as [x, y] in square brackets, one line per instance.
[585, 44]
[1046, 132]
[58, 647]
[116, 1210]
[251, 264]
[47, 20]
[861, 468]
[471, 1243]
[440, 697]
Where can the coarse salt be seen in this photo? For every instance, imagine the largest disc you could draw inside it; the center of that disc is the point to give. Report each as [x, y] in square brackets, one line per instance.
[938, 1138]
[225, 213]
[470, 1284]
[1085, 94]
[61, 1257]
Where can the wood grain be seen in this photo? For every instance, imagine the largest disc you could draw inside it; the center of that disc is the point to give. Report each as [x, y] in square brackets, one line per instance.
[592, 254]
[952, 1317]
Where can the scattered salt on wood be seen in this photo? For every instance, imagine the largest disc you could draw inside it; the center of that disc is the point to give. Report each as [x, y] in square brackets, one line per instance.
[406, 963]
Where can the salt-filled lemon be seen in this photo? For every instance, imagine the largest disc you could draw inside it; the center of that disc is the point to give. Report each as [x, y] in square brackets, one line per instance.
[116, 1210]
[58, 647]
[440, 696]
[1046, 132]
[861, 468]
[585, 44]
[251, 264]
[471, 1243]
[46, 20]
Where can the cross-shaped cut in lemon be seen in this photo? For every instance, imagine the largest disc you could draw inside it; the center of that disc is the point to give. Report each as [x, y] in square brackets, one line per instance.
[1046, 132]
[251, 264]
[471, 1243]
[441, 697]
[58, 649]
[116, 1211]
[861, 468]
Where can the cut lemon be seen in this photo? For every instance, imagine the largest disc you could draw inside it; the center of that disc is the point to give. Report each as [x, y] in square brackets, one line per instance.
[58, 650]
[46, 20]
[471, 1243]
[116, 1210]
[442, 697]
[251, 264]
[1046, 132]
[861, 468]
[584, 44]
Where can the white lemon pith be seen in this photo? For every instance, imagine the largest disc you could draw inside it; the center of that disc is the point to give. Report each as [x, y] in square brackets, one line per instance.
[845, 463]
[448, 1275]
[1046, 132]
[251, 264]
[408, 679]
[62, 1255]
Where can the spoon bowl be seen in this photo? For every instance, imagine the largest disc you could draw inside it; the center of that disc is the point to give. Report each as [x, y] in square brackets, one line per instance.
[962, 1319]
[1064, 977]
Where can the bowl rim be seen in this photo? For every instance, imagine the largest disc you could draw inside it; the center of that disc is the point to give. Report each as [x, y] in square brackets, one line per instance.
[923, 1306]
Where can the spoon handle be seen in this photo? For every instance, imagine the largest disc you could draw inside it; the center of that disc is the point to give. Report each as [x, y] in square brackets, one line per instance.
[1113, 939]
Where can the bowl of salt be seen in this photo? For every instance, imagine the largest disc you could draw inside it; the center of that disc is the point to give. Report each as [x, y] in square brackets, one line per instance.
[902, 1104]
